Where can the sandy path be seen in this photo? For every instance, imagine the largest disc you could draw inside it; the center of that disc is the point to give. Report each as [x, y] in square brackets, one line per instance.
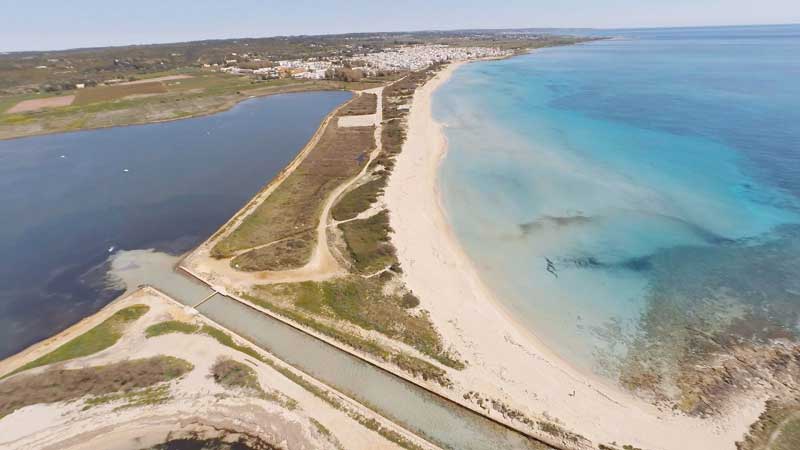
[507, 361]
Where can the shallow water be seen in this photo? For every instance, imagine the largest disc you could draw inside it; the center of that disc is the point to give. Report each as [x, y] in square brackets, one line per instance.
[71, 200]
[628, 181]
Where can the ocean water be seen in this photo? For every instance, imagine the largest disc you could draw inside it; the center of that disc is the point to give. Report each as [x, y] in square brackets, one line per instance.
[633, 190]
[71, 202]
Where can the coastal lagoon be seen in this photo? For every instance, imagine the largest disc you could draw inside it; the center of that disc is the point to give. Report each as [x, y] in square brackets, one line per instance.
[72, 201]
[624, 197]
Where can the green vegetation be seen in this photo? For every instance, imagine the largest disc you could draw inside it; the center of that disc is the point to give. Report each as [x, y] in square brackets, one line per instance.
[285, 254]
[359, 199]
[98, 338]
[173, 326]
[777, 428]
[361, 302]
[361, 105]
[411, 364]
[38, 75]
[51, 71]
[368, 243]
[170, 326]
[56, 385]
[15, 119]
[142, 397]
[323, 430]
[614, 447]
[369, 304]
[226, 340]
[294, 207]
[233, 374]
[205, 93]
[788, 435]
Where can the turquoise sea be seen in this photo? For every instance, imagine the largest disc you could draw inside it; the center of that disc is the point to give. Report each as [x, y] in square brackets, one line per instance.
[618, 196]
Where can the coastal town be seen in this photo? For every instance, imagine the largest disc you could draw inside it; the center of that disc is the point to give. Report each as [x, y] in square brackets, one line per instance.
[403, 58]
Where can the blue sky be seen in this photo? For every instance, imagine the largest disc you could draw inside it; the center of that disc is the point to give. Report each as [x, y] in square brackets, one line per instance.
[57, 24]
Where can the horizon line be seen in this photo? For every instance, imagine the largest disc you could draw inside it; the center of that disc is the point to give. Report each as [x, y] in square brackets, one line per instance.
[431, 30]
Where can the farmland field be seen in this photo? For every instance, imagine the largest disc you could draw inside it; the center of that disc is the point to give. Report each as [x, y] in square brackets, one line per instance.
[105, 93]
[177, 95]
[36, 104]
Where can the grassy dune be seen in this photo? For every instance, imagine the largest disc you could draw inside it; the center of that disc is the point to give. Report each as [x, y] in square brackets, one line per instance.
[98, 338]
[59, 385]
[358, 199]
[361, 105]
[368, 243]
[294, 208]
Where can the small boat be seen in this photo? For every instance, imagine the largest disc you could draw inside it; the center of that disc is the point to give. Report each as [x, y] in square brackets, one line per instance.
[111, 249]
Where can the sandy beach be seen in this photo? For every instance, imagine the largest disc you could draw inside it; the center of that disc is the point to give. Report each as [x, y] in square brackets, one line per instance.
[505, 360]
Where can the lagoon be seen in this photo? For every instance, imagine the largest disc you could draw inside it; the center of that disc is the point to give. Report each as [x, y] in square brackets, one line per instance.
[71, 201]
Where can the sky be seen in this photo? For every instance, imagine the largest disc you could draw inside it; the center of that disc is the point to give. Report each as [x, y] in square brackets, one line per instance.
[59, 24]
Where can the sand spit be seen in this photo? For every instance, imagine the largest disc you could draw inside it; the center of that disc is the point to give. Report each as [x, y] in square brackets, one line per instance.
[323, 265]
[506, 361]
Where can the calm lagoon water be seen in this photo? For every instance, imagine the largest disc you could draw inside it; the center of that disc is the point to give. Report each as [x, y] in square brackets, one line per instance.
[633, 187]
[70, 201]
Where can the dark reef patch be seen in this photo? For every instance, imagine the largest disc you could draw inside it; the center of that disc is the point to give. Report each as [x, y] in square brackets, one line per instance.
[704, 303]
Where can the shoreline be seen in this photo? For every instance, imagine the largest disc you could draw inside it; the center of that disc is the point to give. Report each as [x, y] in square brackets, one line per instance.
[505, 358]
[221, 108]
[237, 215]
[492, 374]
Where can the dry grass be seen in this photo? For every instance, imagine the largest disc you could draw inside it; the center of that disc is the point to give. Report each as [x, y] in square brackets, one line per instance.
[335, 307]
[106, 93]
[361, 105]
[157, 79]
[368, 243]
[411, 364]
[777, 428]
[295, 206]
[788, 436]
[204, 93]
[59, 385]
[98, 338]
[359, 199]
[233, 374]
[282, 255]
[364, 303]
[170, 326]
[41, 103]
